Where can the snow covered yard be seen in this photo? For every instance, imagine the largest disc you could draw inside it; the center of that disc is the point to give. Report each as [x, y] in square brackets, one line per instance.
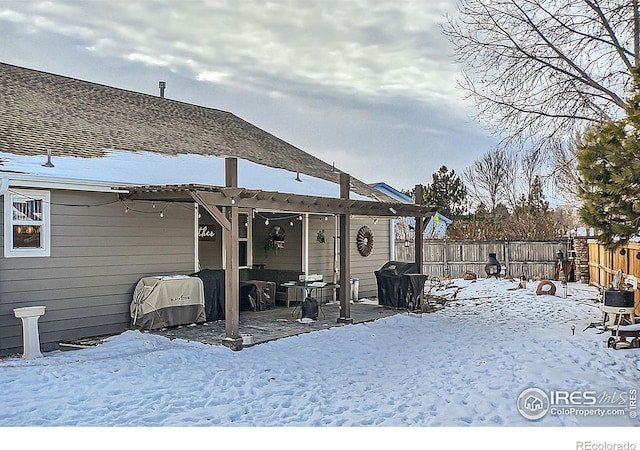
[464, 365]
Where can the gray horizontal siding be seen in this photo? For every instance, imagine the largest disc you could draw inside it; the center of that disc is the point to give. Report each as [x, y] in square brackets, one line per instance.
[362, 267]
[287, 258]
[98, 254]
[321, 254]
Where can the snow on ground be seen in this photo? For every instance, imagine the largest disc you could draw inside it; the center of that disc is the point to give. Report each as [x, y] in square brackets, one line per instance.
[464, 365]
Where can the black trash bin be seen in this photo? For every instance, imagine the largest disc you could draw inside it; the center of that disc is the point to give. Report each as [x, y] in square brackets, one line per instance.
[399, 284]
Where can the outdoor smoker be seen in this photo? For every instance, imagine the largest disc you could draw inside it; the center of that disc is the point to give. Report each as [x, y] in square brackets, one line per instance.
[493, 267]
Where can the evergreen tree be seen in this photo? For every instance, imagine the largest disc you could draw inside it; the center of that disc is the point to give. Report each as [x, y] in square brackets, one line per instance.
[447, 193]
[609, 165]
[537, 200]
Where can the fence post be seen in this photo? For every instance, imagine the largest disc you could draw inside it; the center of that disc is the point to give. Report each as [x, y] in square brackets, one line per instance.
[506, 257]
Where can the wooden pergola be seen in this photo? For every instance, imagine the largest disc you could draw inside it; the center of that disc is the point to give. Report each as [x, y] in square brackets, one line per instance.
[223, 203]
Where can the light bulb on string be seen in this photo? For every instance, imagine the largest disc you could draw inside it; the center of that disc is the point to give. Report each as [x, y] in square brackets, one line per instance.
[266, 221]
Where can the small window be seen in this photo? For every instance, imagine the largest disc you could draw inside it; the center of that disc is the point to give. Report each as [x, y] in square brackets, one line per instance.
[26, 223]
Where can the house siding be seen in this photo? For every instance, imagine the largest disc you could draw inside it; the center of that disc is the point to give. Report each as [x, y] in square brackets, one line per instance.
[321, 254]
[98, 254]
[287, 258]
[363, 268]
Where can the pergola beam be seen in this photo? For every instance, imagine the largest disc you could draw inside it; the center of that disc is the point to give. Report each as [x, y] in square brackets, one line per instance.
[267, 200]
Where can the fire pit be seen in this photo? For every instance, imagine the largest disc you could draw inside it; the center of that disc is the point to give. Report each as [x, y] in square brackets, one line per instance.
[493, 267]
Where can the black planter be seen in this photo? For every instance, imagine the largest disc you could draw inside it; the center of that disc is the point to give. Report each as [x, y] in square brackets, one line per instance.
[493, 267]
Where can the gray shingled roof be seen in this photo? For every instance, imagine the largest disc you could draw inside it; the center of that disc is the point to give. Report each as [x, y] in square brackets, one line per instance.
[41, 111]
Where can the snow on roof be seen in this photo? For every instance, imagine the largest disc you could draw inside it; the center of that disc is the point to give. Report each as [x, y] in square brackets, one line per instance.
[123, 168]
[393, 192]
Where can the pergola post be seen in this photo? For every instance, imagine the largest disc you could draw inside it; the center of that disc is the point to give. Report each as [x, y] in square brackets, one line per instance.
[345, 259]
[232, 271]
[419, 230]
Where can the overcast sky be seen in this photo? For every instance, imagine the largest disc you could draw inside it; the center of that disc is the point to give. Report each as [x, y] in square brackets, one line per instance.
[367, 84]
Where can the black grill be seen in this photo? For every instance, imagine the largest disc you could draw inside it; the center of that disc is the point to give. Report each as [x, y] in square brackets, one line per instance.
[399, 284]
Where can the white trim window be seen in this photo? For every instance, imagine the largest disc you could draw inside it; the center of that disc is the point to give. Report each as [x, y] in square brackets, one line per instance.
[27, 223]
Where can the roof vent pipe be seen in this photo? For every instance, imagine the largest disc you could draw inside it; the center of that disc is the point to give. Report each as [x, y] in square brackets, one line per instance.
[48, 163]
[162, 85]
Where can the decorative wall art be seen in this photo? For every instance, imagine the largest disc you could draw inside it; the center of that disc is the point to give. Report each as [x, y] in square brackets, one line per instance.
[364, 241]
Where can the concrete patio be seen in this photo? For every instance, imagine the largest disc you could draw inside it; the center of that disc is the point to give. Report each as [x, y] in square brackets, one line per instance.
[278, 323]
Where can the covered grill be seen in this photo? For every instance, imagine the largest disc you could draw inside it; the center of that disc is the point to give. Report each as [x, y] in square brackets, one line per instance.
[399, 284]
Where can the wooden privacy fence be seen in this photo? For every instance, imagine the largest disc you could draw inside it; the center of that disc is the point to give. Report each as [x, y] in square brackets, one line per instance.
[445, 258]
[604, 263]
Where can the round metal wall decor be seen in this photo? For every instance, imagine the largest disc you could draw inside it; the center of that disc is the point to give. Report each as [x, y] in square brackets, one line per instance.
[364, 241]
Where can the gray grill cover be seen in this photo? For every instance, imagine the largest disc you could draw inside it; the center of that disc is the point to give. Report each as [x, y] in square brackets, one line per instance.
[167, 301]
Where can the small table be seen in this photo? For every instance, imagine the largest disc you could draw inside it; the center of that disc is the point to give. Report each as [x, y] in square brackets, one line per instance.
[308, 287]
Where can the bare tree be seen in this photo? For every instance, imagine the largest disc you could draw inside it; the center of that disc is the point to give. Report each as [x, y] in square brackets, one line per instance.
[490, 179]
[541, 71]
